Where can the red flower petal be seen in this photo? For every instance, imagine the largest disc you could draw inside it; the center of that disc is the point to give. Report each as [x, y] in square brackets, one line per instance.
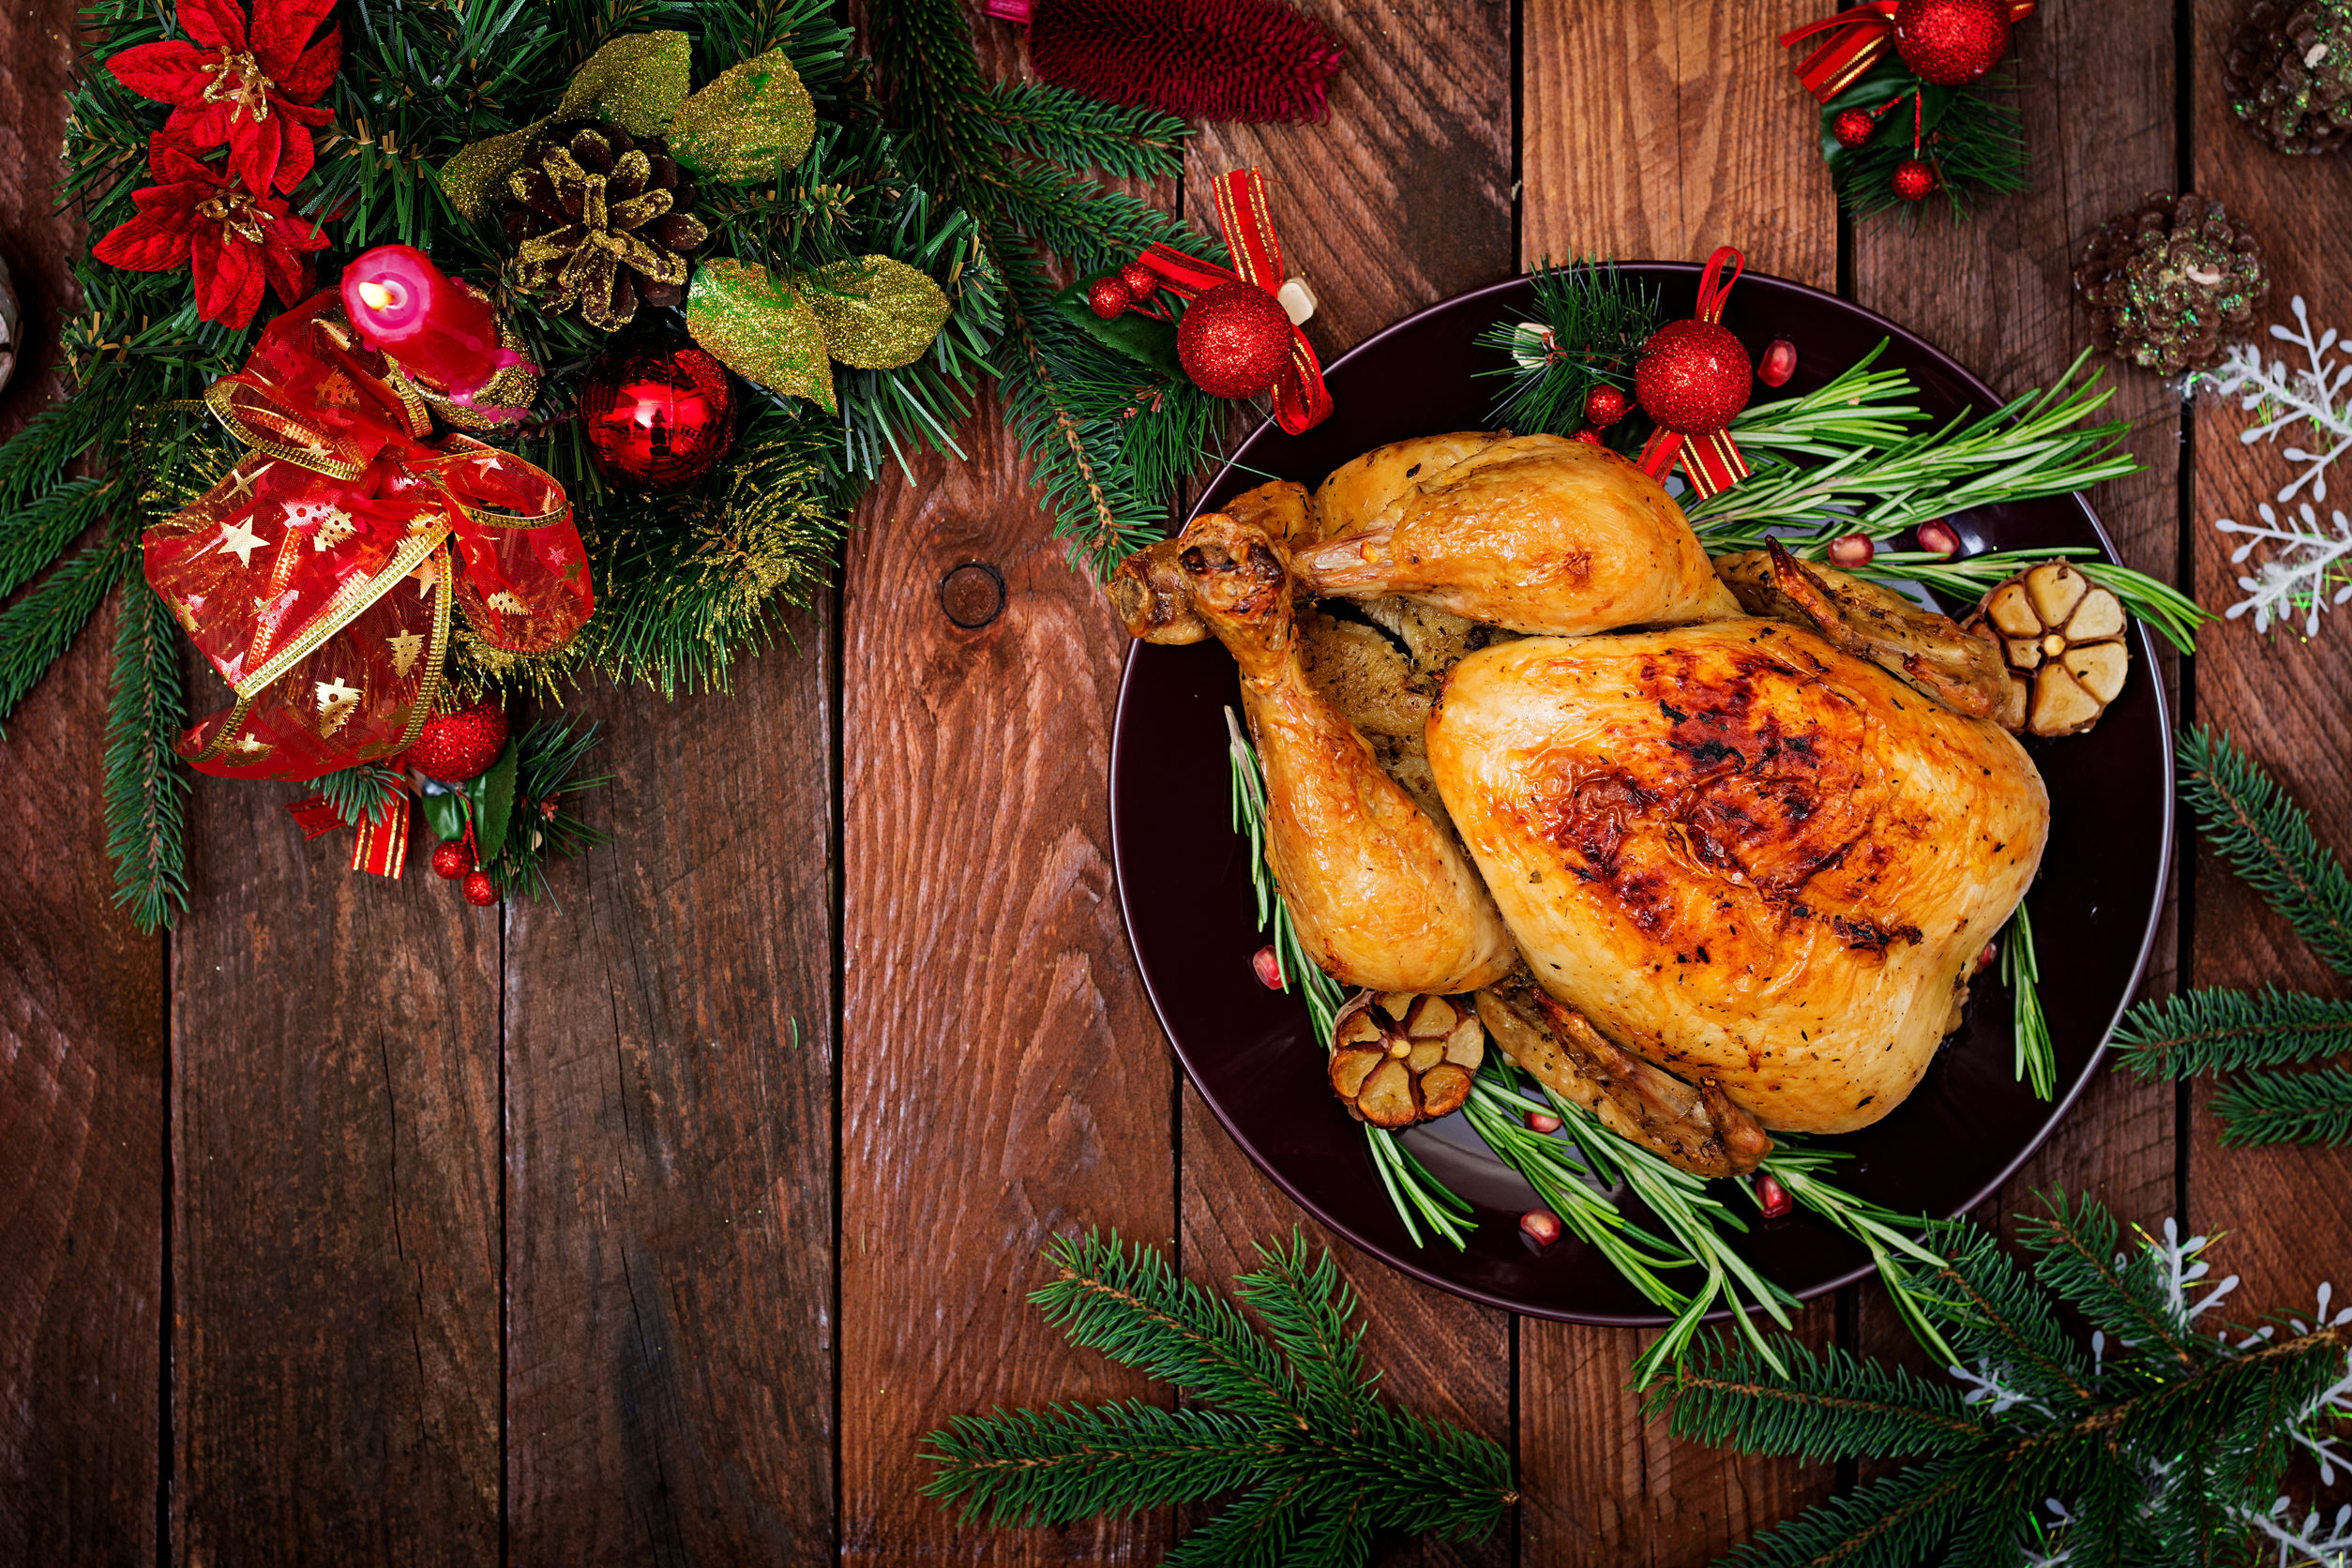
[174, 160]
[170, 204]
[294, 153]
[315, 71]
[171, 72]
[229, 278]
[217, 22]
[290, 268]
[295, 232]
[282, 27]
[144, 244]
[198, 125]
[301, 114]
[254, 149]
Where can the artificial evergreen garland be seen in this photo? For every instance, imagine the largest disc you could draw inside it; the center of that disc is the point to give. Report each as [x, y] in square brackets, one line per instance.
[2160, 1440]
[2260, 1037]
[1320, 1459]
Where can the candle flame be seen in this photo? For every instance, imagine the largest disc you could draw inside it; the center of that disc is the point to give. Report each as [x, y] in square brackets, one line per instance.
[378, 297]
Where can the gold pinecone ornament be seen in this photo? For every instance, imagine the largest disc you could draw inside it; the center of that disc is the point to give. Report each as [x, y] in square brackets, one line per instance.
[2172, 284]
[601, 221]
[2289, 71]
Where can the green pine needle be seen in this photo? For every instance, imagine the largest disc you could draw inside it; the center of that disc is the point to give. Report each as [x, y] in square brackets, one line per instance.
[546, 822]
[2268, 840]
[1588, 327]
[1321, 1458]
[146, 789]
[2288, 1108]
[2220, 1032]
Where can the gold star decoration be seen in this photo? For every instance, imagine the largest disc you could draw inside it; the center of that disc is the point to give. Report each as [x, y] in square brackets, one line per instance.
[236, 535]
[426, 576]
[405, 646]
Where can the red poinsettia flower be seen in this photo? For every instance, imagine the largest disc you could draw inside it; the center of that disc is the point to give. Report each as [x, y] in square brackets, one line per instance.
[249, 90]
[204, 217]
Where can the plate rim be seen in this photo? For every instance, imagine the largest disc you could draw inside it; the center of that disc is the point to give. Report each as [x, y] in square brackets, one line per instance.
[2059, 1109]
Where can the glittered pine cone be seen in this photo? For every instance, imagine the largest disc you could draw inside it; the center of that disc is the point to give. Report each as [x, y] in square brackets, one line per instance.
[2171, 283]
[2289, 71]
[601, 221]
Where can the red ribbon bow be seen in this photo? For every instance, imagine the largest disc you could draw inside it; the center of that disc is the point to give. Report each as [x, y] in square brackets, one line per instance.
[1301, 401]
[318, 576]
[1712, 460]
[1856, 40]
[382, 846]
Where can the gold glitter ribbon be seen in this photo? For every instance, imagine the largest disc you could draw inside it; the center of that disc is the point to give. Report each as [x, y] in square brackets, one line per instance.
[868, 312]
[754, 122]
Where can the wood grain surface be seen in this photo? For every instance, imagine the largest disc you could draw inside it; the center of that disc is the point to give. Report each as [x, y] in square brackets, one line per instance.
[658, 1224]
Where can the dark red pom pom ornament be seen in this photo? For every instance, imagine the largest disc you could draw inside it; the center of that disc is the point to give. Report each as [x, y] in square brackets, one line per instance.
[479, 890]
[1605, 405]
[1108, 297]
[1239, 337]
[1914, 179]
[1692, 378]
[454, 747]
[450, 861]
[1256, 60]
[657, 415]
[1854, 126]
[1950, 43]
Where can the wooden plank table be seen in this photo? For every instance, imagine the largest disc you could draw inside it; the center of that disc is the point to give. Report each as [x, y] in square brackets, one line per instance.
[347, 1223]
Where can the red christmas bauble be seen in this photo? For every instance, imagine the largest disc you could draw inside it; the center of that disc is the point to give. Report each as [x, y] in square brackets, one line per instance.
[1853, 127]
[1951, 42]
[1693, 376]
[1108, 297]
[1605, 405]
[1234, 341]
[1915, 179]
[1141, 281]
[449, 861]
[657, 415]
[480, 889]
[454, 747]
[1590, 436]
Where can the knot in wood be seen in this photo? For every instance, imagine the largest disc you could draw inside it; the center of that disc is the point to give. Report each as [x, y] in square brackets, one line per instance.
[973, 594]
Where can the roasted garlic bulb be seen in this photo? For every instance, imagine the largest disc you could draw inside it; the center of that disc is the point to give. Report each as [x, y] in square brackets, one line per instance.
[2062, 637]
[1397, 1058]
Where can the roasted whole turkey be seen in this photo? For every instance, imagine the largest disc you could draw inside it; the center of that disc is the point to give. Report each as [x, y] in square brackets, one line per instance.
[1714, 855]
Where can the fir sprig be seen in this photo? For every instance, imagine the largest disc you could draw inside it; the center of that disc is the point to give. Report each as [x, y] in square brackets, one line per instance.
[1320, 1460]
[1588, 327]
[2166, 1442]
[145, 790]
[2269, 841]
[546, 823]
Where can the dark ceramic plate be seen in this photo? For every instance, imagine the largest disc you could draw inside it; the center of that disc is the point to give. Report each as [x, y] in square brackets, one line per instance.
[1185, 885]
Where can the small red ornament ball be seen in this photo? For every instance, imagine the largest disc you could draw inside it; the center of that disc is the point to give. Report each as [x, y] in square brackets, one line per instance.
[1693, 376]
[454, 747]
[1605, 405]
[449, 861]
[657, 415]
[1853, 127]
[1915, 179]
[1108, 297]
[480, 889]
[1951, 42]
[1234, 341]
[1590, 436]
[1141, 281]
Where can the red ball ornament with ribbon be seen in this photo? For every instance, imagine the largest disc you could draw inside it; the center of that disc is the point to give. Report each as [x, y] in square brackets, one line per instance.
[1245, 326]
[658, 414]
[1692, 378]
[1946, 42]
[456, 746]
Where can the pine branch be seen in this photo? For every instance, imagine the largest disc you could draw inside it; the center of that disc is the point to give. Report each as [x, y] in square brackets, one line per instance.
[144, 789]
[1320, 1460]
[2219, 1032]
[36, 631]
[2076, 1247]
[544, 822]
[1826, 1405]
[1589, 328]
[2288, 1108]
[2268, 840]
[360, 793]
[1063, 127]
[1893, 1522]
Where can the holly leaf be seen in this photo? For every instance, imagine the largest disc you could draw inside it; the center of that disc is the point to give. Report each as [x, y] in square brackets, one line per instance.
[494, 798]
[1133, 335]
[445, 810]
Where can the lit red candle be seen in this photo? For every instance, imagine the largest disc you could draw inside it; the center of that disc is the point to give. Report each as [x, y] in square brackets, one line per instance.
[408, 308]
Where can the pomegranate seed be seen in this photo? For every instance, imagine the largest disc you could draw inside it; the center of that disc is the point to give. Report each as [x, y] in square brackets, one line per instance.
[1542, 1122]
[1988, 959]
[1852, 549]
[1772, 1196]
[1778, 364]
[1539, 1226]
[1938, 536]
[1269, 967]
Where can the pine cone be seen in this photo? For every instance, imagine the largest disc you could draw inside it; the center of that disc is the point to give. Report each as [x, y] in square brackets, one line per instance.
[601, 222]
[2171, 282]
[2289, 71]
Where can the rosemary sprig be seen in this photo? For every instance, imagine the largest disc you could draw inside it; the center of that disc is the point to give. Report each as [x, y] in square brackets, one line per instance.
[2021, 971]
[2035, 445]
[1589, 327]
[1323, 995]
[1885, 1233]
[1414, 1191]
[1859, 407]
[2174, 615]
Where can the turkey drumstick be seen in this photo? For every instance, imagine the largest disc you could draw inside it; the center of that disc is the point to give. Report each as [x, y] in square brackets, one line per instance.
[1381, 896]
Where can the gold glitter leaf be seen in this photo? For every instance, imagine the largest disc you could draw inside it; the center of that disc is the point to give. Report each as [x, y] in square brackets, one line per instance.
[751, 123]
[878, 314]
[477, 171]
[761, 328]
[636, 83]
